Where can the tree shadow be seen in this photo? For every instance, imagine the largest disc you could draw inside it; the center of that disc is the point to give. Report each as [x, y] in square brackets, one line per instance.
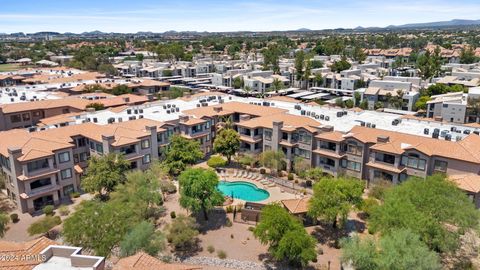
[270, 263]
[190, 251]
[217, 219]
[327, 235]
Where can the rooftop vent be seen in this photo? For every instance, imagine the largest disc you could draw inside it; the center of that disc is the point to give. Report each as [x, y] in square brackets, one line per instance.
[383, 139]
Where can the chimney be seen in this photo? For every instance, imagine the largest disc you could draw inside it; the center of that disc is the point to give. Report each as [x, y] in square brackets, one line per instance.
[244, 117]
[183, 118]
[150, 97]
[126, 99]
[383, 139]
[107, 141]
[90, 110]
[217, 109]
[326, 128]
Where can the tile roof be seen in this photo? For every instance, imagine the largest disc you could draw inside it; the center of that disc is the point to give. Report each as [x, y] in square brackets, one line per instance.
[466, 149]
[29, 248]
[468, 182]
[40, 144]
[296, 206]
[290, 122]
[143, 261]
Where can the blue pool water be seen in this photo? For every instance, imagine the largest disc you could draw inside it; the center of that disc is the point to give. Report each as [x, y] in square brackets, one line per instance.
[243, 191]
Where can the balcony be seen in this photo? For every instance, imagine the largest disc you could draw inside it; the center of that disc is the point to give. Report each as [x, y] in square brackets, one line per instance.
[41, 191]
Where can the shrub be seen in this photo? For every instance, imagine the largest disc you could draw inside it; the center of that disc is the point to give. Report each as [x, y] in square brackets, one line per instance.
[228, 222]
[239, 207]
[308, 183]
[231, 236]
[74, 195]
[63, 210]
[14, 218]
[296, 181]
[229, 209]
[142, 237]
[48, 210]
[182, 232]
[290, 176]
[368, 205]
[262, 171]
[222, 254]
[173, 214]
[378, 189]
[167, 186]
[210, 249]
[216, 161]
[251, 228]
[44, 225]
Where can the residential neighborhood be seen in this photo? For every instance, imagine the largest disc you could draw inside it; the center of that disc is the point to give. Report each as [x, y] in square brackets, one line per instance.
[235, 142]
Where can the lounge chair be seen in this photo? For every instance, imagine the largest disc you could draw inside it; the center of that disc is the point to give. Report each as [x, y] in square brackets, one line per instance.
[235, 173]
[255, 177]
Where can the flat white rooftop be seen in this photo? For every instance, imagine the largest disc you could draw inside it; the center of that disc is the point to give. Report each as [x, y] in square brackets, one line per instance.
[59, 263]
[344, 123]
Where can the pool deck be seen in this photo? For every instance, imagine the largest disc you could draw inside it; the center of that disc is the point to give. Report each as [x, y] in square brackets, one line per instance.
[276, 194]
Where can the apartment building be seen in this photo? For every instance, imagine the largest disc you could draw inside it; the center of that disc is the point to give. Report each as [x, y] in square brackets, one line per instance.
[379, 92]
[455, 107]
[43, 167]
[28, 114]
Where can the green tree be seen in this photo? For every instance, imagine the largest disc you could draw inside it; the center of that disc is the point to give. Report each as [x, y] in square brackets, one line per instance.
[274, 223]
[341, 65]
[198, 190]
[104, 173]
[277, 84]
[181, 152]
[140, 192]
[333, 198]
[3, 224]
[227, 143]
[427, 207]
[358, 54]
[467, 56]
[238, 82]
[43, 225]
[299, 64]
[400, 250]
[297, 247]
[121, 90]
[274, 160]
[142, 237]
[182, 232]
[317, 64]
[98, 225]
[96, 105]
[421, 103]
[318, 80]
[300, 166]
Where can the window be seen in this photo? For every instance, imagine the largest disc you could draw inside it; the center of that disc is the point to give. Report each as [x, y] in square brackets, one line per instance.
[5, 162]
[386, 158]
[92, 145]
[66, 111]
[83, 156]
[351, 165]
[15, 118]
[81, 142]
[40, 183]
[145, 144]
[127, 150]
[67, 190]
[146, 159]
[440, 166]
[413, 161]
[26, 116]
[67, 173]
[36, 114]
[354, 149]
[64, 157]
[304, 137]
[268, 135]
[37, 165]
[99, 147]
[302, 153]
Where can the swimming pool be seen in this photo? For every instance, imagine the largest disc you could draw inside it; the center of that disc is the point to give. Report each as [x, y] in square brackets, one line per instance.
[243, 191]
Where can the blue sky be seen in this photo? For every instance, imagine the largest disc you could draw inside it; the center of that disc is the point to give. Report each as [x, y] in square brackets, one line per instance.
[215, 15]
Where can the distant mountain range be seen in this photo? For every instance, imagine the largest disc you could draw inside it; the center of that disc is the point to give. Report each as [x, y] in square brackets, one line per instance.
[456, 23]
[451, 23]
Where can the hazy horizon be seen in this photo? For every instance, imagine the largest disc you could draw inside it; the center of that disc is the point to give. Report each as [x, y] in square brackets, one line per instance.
[217, 16]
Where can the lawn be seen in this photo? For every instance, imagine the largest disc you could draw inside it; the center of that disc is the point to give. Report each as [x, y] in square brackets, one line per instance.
[10, 67]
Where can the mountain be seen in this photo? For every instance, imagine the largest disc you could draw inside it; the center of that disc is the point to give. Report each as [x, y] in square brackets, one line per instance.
[303, 30]
[451, 23]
